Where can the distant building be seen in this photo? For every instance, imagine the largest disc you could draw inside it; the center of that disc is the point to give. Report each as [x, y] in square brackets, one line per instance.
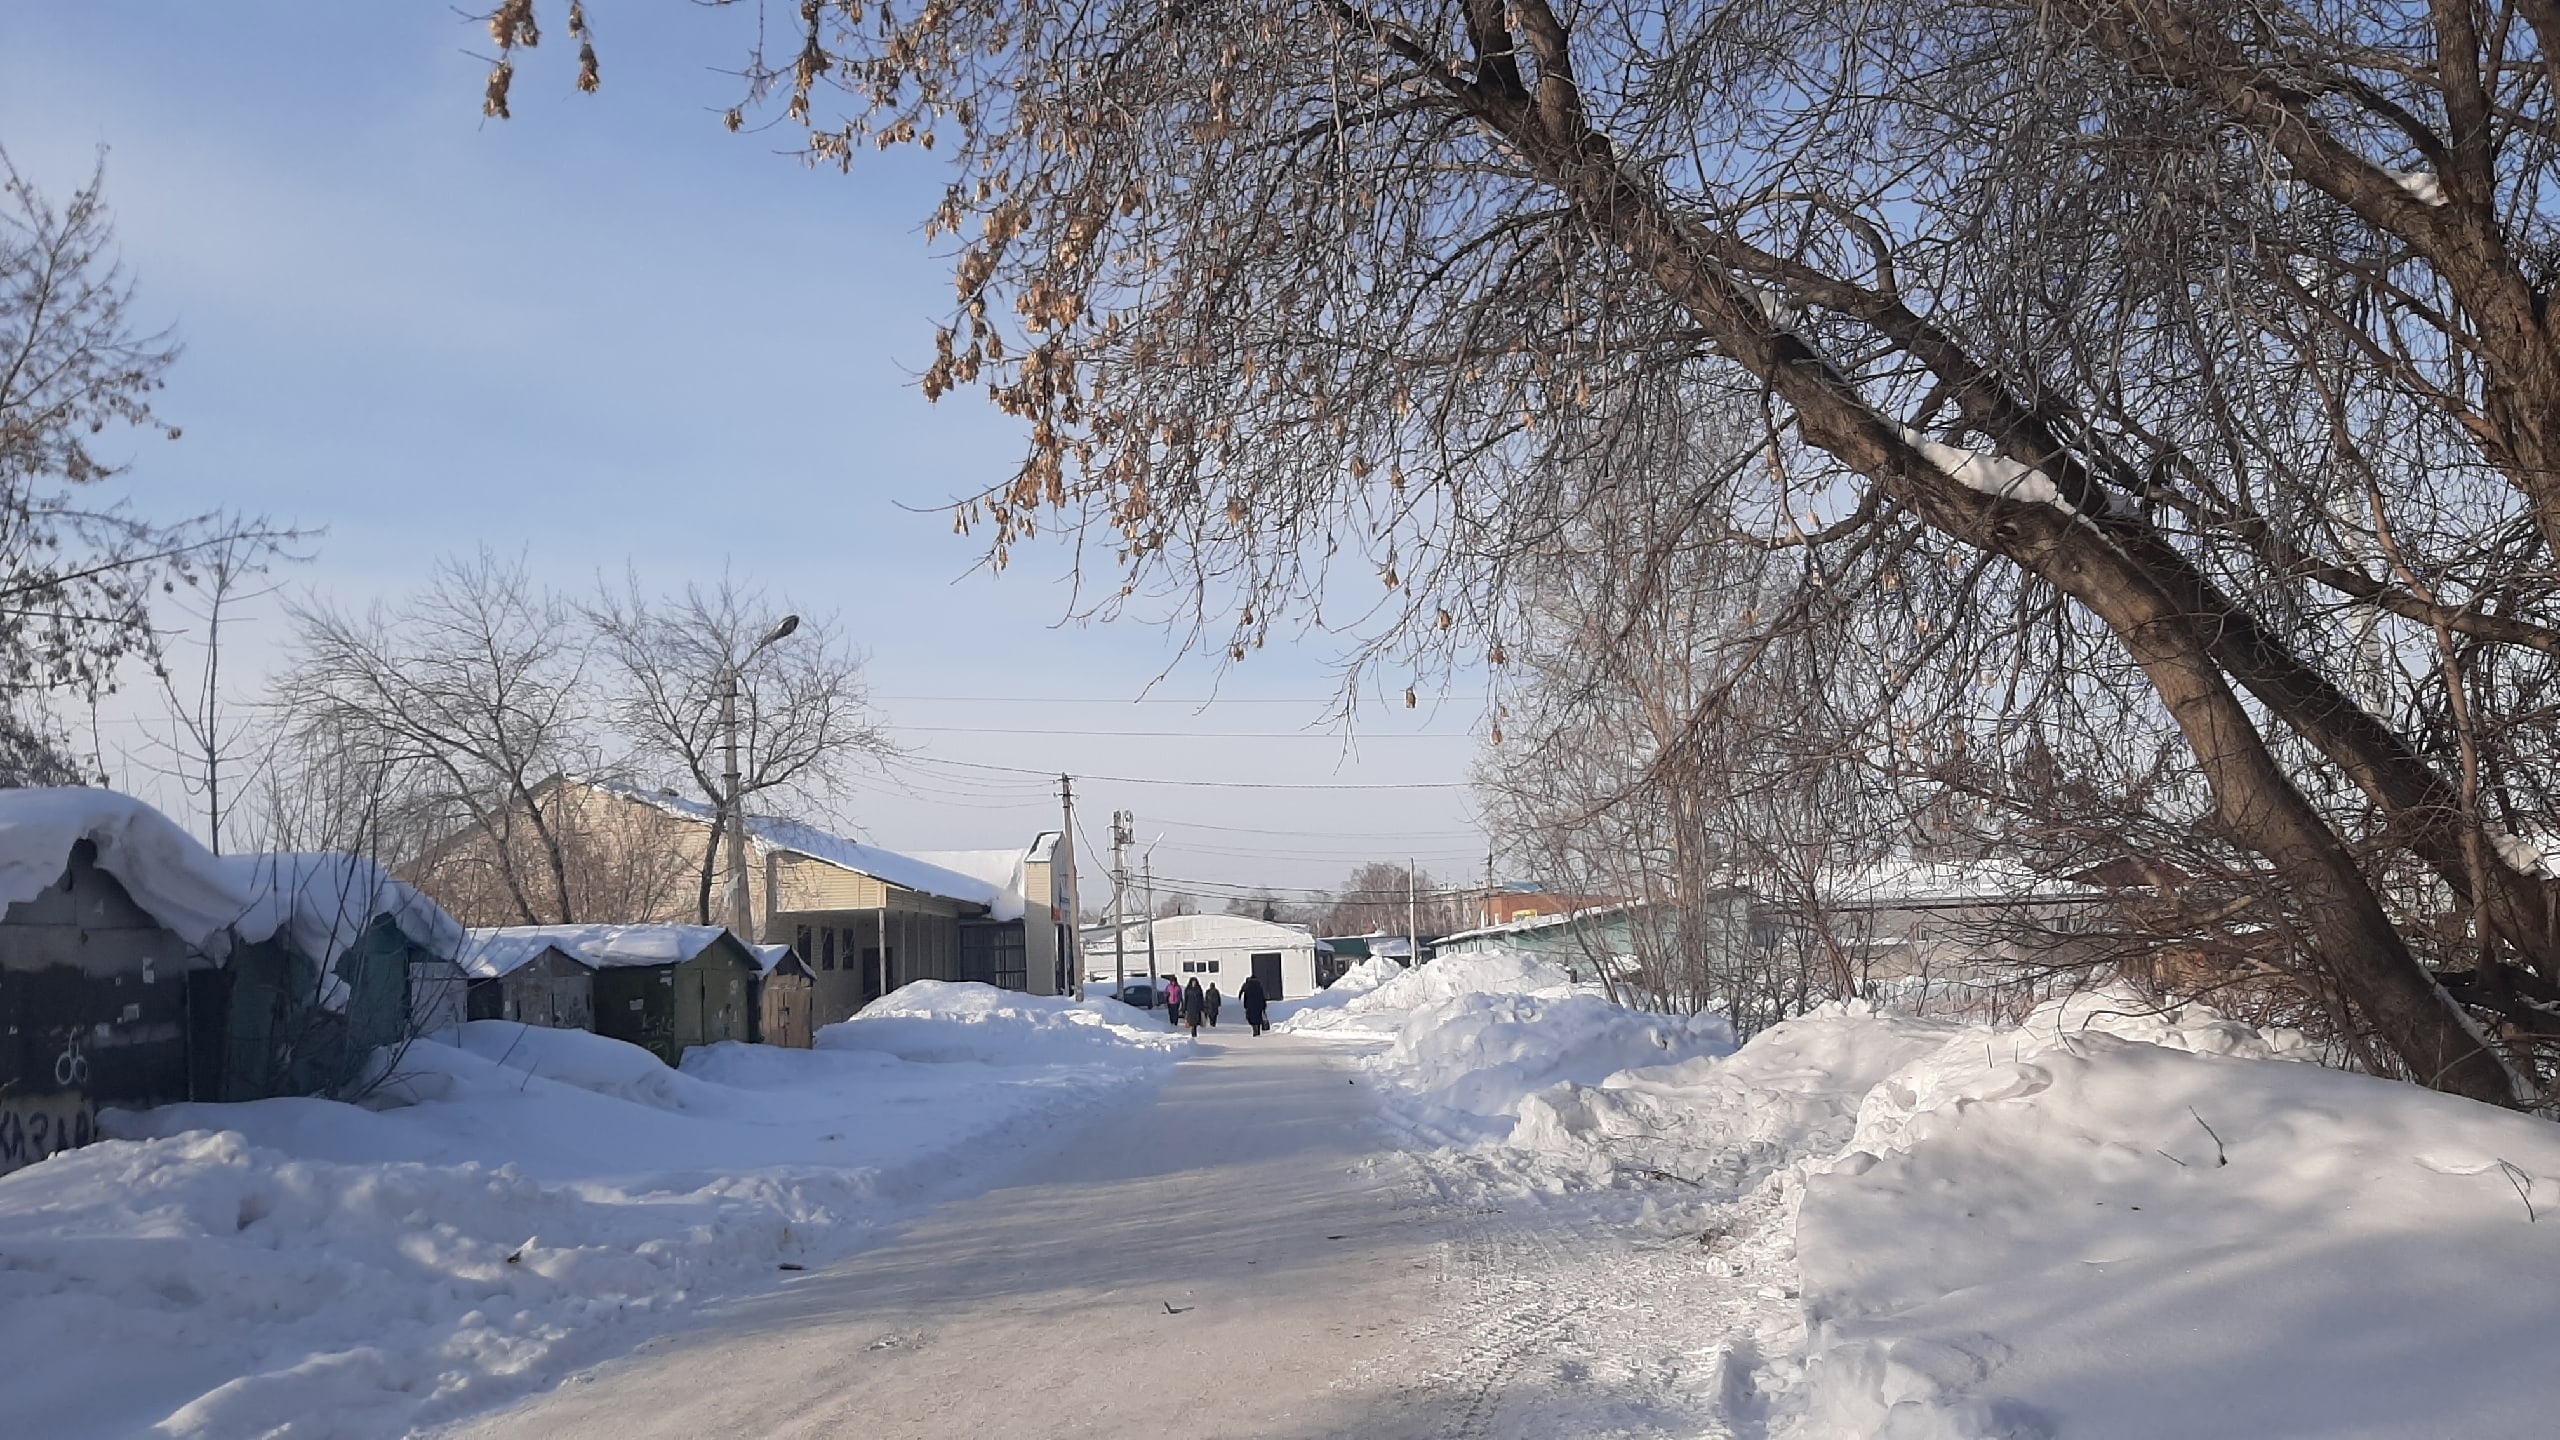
[1224, 950]
[1506, 904]
[863, 919]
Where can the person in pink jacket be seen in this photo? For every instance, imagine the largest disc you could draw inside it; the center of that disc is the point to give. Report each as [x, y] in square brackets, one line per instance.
[1172, 1001]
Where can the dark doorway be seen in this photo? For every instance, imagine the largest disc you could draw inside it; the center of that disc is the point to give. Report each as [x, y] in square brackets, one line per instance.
[1266, 968]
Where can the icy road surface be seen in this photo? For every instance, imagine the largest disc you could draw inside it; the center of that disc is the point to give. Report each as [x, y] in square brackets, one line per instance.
[1247, 1255]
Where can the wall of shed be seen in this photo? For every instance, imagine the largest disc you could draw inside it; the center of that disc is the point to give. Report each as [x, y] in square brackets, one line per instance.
[550, 990]
[98, 1004]
[783, 1010]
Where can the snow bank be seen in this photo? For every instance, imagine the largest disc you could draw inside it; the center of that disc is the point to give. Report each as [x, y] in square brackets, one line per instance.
[2103, 1222]
[513, 1206]
[1727, 1123]
[1470, 1038]
[1387, 994]
[2141, 1228]
[943, 1022]
[1355, 982]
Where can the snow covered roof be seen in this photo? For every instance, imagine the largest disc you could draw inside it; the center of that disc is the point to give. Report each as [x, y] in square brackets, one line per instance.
[769, 956]
[771, 832]
[605, 947]
[322, 903]
[1000, 869]
[1203, 930]
[1903, 880]
[489, 953]
[175, 880]
[1527, 923]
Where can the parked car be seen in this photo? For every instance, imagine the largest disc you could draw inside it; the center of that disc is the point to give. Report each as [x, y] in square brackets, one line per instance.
[1144, 994]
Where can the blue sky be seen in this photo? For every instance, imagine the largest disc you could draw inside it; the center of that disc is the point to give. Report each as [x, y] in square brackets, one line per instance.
[609, 333]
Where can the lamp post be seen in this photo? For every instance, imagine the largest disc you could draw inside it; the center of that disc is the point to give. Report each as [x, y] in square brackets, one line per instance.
[741, 916]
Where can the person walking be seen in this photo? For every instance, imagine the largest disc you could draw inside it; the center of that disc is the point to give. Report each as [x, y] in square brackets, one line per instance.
[1173, 1001]
[1195, 1006]
[1257, 1007]
[1214, 999]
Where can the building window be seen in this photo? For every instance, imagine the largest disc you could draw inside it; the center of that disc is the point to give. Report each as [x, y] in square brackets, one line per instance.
[1213, 967]
[801, 947]
[830, 952]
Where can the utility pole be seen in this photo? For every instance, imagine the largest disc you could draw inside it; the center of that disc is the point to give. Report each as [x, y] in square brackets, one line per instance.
[741, 917]
[1119, 901]
[1147, 863]
[1412, 926]
[1070, 934]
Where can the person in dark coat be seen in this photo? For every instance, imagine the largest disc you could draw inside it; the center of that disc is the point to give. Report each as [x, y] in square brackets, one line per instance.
[1256, 1006]
[1214, 999]
[1195, 1006]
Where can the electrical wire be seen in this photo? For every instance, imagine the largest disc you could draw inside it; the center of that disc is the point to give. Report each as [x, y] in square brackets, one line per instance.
[1219, 784]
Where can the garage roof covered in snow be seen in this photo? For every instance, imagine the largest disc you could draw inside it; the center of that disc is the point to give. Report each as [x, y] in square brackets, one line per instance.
[176, 881]
[324, 903]
[605, 947]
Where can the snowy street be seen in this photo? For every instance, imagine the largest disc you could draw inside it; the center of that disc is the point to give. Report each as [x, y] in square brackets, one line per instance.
[1243, 1256]
[1475, 1200]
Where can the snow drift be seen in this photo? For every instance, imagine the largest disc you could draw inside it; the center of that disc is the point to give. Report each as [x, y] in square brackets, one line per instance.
[1470, 1038]
[948, 1022]
[2103, 1222]
[522, 1202]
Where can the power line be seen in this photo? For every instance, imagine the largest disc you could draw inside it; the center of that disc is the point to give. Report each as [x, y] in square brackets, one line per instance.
[1187, 734]
[1218, 784]
[1328, 834]
[1327, 701]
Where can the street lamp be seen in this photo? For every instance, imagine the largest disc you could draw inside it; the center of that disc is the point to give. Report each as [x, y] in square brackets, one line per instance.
[741, 915]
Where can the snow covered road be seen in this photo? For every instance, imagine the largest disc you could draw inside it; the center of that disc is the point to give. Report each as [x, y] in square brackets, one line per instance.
[1246, 1255]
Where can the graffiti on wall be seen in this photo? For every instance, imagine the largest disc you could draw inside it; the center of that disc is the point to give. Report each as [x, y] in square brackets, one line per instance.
[33, 1127]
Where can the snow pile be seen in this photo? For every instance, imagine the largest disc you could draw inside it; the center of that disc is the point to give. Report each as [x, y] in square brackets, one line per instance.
[2141, 1228]
[509, 1207]
[1725, 1123]
[1388, 994]
[948, 1022]
[1471, 1037]
[2105, 1221]
[1355, 982]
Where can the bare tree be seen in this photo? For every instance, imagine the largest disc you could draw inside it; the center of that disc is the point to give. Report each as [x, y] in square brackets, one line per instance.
[77, 571]
[210, 740]
[2203, 349]
[803, 716]
[450, 714]
[1384, 896]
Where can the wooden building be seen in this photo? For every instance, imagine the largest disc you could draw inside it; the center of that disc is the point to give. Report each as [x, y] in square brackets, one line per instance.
[783, 994]
[528, 979]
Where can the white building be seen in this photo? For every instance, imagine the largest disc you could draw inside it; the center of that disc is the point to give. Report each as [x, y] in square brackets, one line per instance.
[1224, 950]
